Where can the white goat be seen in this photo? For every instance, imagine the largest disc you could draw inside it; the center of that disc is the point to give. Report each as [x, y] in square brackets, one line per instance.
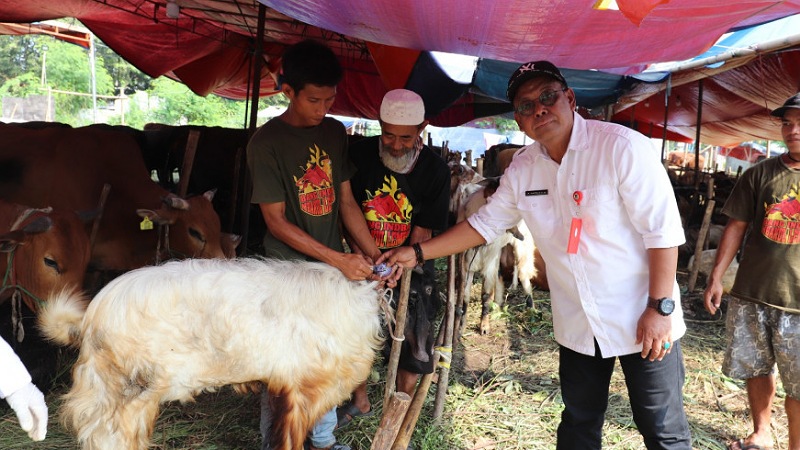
[486, 259]
[169, 332]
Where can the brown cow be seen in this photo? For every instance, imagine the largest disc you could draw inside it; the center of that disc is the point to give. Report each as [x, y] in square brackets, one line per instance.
[43, 252]
[215, 166]
[67, 168]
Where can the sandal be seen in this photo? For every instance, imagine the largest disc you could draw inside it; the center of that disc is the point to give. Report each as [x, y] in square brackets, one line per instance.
[740, 445]
[349, 411]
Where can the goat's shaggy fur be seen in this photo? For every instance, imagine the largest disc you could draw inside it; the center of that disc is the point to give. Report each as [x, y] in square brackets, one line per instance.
[168, 332]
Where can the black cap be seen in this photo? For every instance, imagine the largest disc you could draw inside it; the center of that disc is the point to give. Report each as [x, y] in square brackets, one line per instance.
[792, 102]
[529, 71]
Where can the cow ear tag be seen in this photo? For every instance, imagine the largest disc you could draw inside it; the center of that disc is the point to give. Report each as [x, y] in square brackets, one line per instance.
[146, 224]
[575, 226]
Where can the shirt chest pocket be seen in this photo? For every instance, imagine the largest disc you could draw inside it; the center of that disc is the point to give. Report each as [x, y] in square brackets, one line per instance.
[539, 213]
[601, 209]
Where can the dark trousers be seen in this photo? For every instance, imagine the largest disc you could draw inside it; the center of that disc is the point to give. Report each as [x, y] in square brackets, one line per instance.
[655, 390]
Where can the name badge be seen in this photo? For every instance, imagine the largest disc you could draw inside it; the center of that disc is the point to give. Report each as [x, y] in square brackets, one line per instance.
[575, 226]
[536, 192]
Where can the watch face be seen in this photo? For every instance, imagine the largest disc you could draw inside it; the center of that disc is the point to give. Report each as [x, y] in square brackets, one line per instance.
[666, 306]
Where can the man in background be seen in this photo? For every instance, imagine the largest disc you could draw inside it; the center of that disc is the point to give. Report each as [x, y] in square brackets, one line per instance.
[763, 318]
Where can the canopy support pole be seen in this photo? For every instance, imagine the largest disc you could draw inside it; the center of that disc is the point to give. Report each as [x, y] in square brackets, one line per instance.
[697, 134]
[666, 118]
[255, 77]
[255, 93]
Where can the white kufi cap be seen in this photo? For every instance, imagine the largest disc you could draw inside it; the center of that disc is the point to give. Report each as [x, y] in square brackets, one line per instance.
[402, 107]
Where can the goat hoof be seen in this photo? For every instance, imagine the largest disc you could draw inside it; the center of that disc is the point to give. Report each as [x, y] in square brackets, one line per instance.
[485, 326]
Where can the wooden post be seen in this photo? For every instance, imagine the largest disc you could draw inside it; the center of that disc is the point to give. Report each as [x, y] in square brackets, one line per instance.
[412, 416]
[188, 162]
[393, 411]
[698, 248]
[479, 166]
[239, 162]
[444, 371]
[101, 206]
[397, 340]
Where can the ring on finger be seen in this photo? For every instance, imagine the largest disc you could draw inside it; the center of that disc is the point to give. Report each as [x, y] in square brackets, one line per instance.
[667, 345]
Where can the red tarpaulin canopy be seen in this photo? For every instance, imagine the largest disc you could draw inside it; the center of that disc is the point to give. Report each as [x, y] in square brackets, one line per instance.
[736, 102]
[209, 45]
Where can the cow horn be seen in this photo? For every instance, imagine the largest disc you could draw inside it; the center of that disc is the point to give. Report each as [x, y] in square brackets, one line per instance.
[175, 202]
[209, 195]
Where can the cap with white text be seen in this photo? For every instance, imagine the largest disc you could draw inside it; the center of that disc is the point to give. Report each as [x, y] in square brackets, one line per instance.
[529, 71]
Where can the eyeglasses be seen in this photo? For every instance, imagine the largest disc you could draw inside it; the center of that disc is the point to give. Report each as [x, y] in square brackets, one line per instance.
[546, 98]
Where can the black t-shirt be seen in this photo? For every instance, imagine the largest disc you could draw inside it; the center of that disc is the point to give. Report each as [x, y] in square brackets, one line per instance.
[393, 203]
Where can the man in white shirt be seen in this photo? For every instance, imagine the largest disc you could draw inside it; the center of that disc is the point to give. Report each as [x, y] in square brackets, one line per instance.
[22, 396]
[603, 214]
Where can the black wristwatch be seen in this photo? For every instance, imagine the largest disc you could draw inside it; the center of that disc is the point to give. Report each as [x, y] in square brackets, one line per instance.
[664, 305]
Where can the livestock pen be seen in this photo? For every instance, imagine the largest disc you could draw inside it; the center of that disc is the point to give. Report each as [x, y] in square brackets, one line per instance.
[503, 394]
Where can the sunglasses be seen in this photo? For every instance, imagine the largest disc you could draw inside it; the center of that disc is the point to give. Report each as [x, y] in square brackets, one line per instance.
[546, 98]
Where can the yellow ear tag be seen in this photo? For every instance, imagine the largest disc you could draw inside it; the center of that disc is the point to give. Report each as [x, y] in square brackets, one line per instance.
[146, 224]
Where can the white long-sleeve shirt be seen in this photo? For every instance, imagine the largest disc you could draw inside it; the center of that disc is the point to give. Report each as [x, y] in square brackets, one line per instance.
[13, 374]
[628, 206]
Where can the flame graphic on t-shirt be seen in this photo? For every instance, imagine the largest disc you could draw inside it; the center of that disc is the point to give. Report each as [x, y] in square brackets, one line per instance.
[315, 186]
[782, 219]
[317, 172]
[388, 214]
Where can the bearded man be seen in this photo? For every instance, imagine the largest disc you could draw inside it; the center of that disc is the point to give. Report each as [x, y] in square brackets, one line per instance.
[403, 189]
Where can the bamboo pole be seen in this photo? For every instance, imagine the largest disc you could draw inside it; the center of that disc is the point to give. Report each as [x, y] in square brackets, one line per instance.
[412, 416]
[399, 337]
[698, 248]
[188, 162]
[101, 206]
[444, 371]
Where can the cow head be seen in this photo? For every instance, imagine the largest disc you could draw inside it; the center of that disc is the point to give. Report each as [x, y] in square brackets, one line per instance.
[44, 256]
[194, 227]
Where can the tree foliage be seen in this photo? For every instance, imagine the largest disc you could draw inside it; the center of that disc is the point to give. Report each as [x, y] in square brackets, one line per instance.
[34, 63]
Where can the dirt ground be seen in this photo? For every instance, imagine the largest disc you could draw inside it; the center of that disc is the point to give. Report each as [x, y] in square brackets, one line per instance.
[519, 358]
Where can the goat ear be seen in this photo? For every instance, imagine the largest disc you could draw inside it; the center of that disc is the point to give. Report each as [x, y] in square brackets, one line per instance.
[490, 182]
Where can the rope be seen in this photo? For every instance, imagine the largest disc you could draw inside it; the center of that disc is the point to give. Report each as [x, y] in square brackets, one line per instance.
[385, 300]
[9, 281]
[17, 329]
[158, 244]
[445, 353]
[7, 276]
[163, 236]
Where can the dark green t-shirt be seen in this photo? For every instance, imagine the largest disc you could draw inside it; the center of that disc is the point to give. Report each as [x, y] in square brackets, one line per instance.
[304, 168]
[768, 196]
